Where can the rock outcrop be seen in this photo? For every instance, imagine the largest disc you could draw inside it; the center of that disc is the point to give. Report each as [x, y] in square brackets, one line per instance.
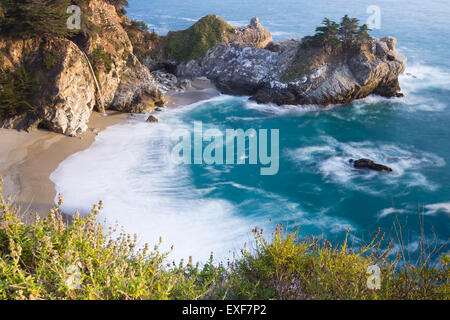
[369, 164]
[152, 119]
[254, 34]
[169, 83]
[167, 52]
[126, 84]
[292, 72]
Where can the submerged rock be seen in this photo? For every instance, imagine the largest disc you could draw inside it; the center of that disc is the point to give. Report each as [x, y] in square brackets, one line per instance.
[369, 164]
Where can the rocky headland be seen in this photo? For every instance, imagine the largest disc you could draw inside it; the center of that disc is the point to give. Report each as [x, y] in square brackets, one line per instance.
[47, 81]
[295, 72]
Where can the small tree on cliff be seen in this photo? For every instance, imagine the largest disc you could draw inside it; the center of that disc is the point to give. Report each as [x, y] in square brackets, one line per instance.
[363, 32]
[348, 30]
[347, 34]
[120, 6]
[327, 33]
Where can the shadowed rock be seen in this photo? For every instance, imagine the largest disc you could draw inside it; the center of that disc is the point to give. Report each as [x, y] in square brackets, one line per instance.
[369, 164]
[152, 119]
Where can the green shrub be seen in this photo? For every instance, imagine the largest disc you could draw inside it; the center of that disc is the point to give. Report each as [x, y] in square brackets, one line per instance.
[16, 92]
[101, 57]
[34, 18]
[194, 43]
[51, 58]
[24, 19]
[50, 260]
[348, 33]
[290, 268]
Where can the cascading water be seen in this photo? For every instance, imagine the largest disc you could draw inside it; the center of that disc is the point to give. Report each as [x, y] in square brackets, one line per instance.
[102, 104]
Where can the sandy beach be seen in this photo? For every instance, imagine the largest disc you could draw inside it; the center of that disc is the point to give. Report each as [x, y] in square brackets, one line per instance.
[27, 159]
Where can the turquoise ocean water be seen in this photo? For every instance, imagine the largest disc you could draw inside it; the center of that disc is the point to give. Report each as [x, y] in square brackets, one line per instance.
[201, 208]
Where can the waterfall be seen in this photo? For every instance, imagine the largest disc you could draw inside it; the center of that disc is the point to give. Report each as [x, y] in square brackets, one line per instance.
[102, 104]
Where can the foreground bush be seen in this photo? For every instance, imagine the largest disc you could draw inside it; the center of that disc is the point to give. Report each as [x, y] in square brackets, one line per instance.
[290, 268]
[51, 260]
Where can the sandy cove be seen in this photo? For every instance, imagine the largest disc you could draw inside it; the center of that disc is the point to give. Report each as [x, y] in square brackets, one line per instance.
[28, 159]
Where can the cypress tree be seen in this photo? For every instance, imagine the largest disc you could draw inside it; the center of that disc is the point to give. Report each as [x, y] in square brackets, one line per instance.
[30, 18]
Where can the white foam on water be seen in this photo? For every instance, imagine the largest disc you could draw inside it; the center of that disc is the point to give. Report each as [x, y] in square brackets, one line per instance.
[291, 211]
[129, 168]
[435, 208]
[413, 82]
[274, 110]
[331, 159]
[389, 211]
[419, 76]
[412, 102]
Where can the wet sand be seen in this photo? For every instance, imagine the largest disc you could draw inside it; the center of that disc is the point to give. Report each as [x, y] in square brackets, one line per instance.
[28, 159]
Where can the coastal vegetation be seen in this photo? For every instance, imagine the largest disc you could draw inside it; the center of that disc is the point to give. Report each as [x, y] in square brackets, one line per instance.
[52, 259]
[143, 40]
[194, 42]
[347, 33]
[25, 19]
[16, 92]
[180, 46]
[331, 39]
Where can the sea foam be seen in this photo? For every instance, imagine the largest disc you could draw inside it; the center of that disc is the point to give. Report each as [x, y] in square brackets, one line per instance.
[331, 159]
[129, 168]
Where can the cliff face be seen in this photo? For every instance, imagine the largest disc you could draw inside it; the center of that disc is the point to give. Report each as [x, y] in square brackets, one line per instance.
[61, 92]
[126, 84]
[291, 72]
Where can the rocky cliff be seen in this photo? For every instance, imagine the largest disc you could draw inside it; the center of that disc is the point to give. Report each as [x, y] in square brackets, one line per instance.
[60, 92]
